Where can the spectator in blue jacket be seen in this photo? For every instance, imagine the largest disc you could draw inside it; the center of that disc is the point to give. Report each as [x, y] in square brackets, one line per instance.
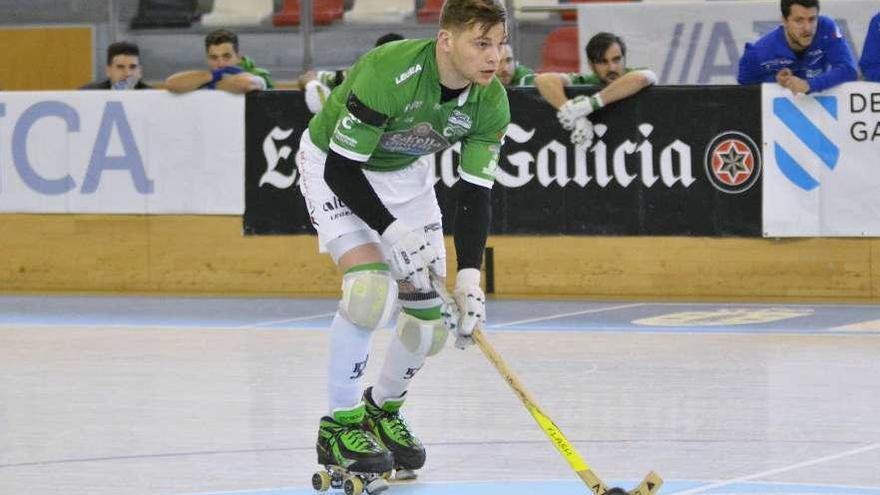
[806, 54]
[870, 61]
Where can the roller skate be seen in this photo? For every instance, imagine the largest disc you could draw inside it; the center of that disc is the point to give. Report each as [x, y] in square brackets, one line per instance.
[352, 458]
[387, 424]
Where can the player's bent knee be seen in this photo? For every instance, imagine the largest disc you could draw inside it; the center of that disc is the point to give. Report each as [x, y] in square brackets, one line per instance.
[369, 296]
[424, 337]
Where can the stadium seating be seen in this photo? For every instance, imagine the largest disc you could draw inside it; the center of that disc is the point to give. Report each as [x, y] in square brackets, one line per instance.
[571, 15]
[380, 11]
[164, 13]
[561, 51]
[430, 11]
[238, 13]
[324, 12]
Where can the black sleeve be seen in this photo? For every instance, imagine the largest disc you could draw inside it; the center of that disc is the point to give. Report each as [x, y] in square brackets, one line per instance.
[473, 215]
[346, 178]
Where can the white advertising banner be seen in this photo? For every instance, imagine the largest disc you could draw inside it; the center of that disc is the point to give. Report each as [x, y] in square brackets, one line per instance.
[701, 42]
[121, 152]
[821, 162]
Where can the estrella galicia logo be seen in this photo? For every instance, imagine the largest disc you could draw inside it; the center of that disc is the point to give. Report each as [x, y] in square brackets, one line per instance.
[274, 156]
[732, 162]
[810, 135]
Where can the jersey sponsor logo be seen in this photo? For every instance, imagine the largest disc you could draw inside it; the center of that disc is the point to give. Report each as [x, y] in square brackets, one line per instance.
[420, 140]
[415, 69]
[732, 162]
[349, 121]
[805, 133]
[413, 106]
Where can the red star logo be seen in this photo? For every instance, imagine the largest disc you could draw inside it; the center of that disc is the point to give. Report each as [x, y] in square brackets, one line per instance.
[732, 162]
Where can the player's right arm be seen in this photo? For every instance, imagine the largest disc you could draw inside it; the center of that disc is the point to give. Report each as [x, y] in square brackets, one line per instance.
[749, 67]
[357, 132]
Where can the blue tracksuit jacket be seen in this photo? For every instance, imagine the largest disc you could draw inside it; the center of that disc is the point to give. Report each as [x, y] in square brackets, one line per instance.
[827, 62]
[870, 61]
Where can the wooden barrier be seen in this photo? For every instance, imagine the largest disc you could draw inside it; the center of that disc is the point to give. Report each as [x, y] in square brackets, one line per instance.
[209, 255]
[45, 57]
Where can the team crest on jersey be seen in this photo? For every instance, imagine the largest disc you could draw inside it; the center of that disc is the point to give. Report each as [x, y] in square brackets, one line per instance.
[419, 140]
[459, 124]
[732, 162]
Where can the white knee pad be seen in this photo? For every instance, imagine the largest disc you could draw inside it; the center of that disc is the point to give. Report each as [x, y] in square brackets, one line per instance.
[424, 337]
[368, 298]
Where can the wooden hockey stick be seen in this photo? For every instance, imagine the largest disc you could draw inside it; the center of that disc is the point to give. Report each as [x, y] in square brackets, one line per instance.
[649, 486]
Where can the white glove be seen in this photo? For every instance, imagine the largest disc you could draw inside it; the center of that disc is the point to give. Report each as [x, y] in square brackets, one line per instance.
[315, 95]
[574, 109]
[411, 256]
[467, 309]
[582, 135]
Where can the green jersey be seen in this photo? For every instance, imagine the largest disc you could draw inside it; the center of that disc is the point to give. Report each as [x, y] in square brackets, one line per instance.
[250, 67]
[522, 76]
[387, 113]
[576, 79]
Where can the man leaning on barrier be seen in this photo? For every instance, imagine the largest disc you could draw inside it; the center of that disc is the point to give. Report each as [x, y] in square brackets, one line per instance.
[228, 69]
[870, 61]
[511, 72]
[806, 54]
[124, 70]
[606, 53]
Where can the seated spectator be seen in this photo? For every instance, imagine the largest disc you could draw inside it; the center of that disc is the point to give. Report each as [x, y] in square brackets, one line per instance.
[227, 69]
[123, 69]
[606, 54]
[870, 61]
[512, 73]
[807, 53]
[316, 86]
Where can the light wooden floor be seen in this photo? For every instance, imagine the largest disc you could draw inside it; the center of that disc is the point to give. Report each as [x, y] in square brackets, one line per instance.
[185, 395]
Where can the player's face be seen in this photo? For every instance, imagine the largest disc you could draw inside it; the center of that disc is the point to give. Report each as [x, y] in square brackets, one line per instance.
[800, 26]
[222, 55]
[507, 66]
[476, 52]
[611, 65]
[122, 67]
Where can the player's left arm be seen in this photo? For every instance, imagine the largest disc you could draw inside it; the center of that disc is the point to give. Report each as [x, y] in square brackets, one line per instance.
[627, 85]
[841, 65]
[480, 152]
[870, 61]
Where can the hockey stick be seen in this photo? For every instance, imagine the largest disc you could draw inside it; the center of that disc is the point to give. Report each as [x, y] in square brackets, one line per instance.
[649, 486]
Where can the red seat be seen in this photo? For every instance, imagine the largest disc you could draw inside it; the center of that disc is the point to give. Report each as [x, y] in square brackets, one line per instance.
[571, 15]
[430, 11]
[324, 12]
[561, 52]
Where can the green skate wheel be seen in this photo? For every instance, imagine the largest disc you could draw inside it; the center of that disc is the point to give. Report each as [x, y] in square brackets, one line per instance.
[321, 481]
[353, 486]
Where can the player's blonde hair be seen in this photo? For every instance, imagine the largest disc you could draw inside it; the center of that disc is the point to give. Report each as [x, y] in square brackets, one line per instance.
[462, 14]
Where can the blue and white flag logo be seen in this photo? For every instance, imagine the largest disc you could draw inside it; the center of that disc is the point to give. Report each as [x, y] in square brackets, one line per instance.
[806, 134]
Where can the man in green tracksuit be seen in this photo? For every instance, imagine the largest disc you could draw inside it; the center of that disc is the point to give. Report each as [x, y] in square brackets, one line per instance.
[228, 69]
[370, 191]
[606, 53]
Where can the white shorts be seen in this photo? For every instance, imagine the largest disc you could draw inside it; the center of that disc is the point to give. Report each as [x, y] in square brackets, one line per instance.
[407, 193]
